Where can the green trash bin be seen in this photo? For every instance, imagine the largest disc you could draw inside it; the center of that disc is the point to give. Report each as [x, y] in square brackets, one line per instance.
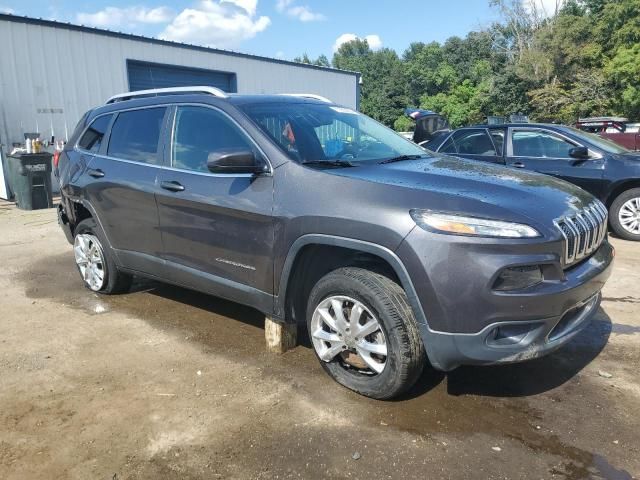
[30, 180]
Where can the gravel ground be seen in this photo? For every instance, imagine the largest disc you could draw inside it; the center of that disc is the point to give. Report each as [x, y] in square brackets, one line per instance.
[165, 383]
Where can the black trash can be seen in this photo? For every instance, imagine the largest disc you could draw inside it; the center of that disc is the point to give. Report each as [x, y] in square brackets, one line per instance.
[30, 180]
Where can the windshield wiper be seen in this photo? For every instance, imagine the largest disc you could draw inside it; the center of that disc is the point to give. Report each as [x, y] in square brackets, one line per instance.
[401, 158]
[330, 163]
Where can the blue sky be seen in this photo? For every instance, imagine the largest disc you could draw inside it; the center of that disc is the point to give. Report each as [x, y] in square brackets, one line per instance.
[275, 28]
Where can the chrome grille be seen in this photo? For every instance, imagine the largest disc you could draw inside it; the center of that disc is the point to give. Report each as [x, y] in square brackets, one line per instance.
[583, 232]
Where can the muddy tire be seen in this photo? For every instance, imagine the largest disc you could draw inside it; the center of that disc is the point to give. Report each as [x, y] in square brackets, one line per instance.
[95, 263]
[624, 215]
[364, 332]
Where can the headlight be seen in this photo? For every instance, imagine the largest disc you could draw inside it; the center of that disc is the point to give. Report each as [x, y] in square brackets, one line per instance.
[479, 227]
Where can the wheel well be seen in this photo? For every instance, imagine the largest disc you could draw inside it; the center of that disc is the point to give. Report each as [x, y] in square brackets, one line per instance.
[80, 213]
[620, 189]
[313, 262]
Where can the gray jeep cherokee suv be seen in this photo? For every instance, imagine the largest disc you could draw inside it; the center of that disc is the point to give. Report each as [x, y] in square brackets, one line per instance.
[311, 212]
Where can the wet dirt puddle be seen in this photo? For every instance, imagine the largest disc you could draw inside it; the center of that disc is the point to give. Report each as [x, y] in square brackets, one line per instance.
[467, 401]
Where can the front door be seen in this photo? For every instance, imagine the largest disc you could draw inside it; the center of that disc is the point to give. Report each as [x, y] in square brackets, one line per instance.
[547, 152]
[217, 229]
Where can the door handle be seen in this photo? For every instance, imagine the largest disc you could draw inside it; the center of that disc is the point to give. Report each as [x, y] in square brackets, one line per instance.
[517, 164]
[172, 186]
[95, 173]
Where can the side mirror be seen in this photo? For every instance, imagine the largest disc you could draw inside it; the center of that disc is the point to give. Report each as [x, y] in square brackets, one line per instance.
[235, 161]
[579, 153]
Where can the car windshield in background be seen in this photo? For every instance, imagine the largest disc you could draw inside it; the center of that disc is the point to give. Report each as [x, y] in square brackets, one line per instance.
[603, 143]
[316, 133]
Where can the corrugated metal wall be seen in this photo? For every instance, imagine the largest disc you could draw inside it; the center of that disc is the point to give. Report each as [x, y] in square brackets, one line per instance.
[50, 75]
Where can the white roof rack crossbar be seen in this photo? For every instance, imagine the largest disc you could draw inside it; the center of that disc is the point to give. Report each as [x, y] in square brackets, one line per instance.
[216, 92]
[308, 95]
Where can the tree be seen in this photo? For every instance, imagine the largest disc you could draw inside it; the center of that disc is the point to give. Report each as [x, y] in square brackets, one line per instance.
[624, 72]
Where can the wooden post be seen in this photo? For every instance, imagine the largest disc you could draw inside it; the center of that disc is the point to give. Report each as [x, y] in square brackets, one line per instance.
[280, 336]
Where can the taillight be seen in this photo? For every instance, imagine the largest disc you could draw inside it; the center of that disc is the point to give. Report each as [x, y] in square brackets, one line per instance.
[56, 158]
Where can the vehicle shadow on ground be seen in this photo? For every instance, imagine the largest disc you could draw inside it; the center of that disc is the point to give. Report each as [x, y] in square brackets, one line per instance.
[534, 376]
[511, 380]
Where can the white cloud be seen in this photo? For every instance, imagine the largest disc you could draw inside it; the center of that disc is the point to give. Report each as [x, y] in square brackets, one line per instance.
[301, 12]
[374, 41]
[214, 23]
[8, 10]
[114, 16]
[279, 54]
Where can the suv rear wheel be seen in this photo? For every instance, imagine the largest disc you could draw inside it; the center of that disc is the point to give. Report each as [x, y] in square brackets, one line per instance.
[95, 264]
[624, 214]
[364, 332]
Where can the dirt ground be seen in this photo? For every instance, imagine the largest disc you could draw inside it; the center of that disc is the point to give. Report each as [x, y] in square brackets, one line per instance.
[165, 383]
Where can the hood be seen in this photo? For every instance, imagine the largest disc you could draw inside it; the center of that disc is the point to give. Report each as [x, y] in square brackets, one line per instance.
[478, 189]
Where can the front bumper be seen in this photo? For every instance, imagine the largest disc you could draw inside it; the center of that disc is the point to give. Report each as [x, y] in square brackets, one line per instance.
[464, 322]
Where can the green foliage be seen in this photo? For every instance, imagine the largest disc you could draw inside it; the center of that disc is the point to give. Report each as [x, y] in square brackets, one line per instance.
[404, 124]
[582, 60]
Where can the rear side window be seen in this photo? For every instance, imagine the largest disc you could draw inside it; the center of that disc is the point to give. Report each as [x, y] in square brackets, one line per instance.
[135, 135]
[92, 137]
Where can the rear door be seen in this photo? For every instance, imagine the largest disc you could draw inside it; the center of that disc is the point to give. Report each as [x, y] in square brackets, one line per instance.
[123, 184]
[474, 144]
[217, 229]
[547, 152]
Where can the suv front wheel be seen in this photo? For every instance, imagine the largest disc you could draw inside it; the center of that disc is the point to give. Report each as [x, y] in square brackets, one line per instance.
[95, 264]
[364, 332]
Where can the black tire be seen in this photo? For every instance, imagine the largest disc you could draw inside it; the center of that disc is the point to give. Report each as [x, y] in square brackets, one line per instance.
[614, 212]
[115, 281]
[387, 301]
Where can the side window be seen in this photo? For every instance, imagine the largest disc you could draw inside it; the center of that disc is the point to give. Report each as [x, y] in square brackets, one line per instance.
[470, 142]
[135, 135]
[540, 144]
[498, 140]
[448, 147]
[92, 137]
[200, 131]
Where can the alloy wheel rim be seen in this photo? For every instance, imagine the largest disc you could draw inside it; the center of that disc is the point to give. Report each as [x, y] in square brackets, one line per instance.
[629, 216]
[344, 329]
[90, 260]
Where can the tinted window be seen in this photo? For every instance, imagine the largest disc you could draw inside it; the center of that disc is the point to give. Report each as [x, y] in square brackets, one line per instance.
[135, 135]
[539, 144]
[449, 146]
[470, 142]
[92, 137]
[498, 140]
[200, 131]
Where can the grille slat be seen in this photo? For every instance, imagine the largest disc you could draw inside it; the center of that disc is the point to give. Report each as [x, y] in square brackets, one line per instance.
[583, 232]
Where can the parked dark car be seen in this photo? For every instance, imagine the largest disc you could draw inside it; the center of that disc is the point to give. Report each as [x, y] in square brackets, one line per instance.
[311, 212]
[603, 168]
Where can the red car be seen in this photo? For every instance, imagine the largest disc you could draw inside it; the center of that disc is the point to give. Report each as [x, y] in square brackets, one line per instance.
[613, 128]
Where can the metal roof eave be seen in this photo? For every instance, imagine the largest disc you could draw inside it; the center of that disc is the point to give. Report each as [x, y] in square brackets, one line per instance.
[141, 38]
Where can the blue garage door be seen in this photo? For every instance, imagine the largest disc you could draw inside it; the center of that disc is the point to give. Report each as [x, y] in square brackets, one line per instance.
[145, 75]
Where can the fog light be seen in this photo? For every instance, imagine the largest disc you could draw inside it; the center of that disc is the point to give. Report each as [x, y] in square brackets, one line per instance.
[517, 278]
[510, 334]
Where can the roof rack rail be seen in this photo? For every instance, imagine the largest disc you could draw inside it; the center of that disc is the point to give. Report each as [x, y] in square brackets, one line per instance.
[216, 92]
[308, 95]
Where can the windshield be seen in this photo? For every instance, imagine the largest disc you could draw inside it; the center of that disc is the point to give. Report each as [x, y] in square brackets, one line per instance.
[309, 132]
[603, 143]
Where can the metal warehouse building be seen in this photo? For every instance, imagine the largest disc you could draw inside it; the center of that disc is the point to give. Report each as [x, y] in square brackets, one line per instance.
[52, 72]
